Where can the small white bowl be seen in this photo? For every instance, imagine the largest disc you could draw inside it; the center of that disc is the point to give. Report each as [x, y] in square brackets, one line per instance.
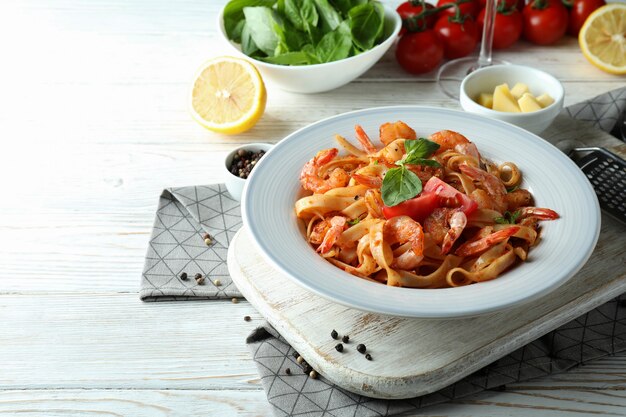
[321, 77]
[235, 184]
[539, 82]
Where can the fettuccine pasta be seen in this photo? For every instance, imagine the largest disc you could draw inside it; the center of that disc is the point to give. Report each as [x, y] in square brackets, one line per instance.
[455, 218]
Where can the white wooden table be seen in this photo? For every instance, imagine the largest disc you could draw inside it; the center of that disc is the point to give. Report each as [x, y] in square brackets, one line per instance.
[93, 125]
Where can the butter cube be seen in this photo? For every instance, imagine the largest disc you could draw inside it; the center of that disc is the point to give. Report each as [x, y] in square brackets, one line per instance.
[528, 103]
[518, 90]
[545, 100]
[503, 100]
[486, 100]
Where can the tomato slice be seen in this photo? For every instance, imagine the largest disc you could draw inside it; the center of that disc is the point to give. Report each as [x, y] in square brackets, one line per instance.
[417, 208]
[446, 192]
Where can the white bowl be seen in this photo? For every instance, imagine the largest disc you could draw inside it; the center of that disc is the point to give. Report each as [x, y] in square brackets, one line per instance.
[555, 181]
[539, 82]
[235, 184]
[321, 77]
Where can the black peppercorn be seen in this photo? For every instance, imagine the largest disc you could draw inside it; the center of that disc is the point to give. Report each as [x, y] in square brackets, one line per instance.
[247, 318]
[288, 371]
[361, 348]
[334, 334]
[198, 276]
[345, 339]
[243, 162]
[339, 347]
[368, 356]
[183, 276]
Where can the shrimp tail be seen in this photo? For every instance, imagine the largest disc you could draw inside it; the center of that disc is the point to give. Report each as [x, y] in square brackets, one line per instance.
[364, 140]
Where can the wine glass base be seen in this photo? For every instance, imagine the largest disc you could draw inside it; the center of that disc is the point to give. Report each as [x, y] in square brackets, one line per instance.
[452, 73]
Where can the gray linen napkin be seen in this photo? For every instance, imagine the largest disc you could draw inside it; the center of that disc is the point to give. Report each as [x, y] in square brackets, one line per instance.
[177, 245]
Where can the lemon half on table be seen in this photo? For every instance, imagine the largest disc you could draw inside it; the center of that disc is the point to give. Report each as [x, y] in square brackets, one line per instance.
[602, 38]
[228, 95]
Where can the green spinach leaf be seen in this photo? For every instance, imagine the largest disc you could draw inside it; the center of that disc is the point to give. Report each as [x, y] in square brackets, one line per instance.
[248, 46]
[301, 13]
[329, 17]
[234, 17]
[288, 58]
[344, 6]
[366, 24]
[399, 185]
[335, 45]
[264, 28]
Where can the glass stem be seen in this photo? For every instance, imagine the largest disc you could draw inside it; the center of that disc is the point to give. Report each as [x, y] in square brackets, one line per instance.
[484, 59]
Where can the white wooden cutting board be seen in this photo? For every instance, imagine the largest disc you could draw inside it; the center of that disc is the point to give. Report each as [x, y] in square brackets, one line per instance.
[416, 356]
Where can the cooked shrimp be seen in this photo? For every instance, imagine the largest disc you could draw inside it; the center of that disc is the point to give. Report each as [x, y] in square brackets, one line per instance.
[480, 245]
[458, 221]
[538, 213]
[448, 139]
[425, 172]
[398, 130]
[337, 224]
[310, 177]
[391, 153]
[402, 229]
[518, 198]
[371, 175]
[364, 140]
[491, 184]
[445, 225]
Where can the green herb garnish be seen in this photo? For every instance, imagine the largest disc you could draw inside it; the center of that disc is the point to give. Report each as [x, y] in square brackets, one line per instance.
[508, 218]
[401, 184]
[304, 32]
[354, 221]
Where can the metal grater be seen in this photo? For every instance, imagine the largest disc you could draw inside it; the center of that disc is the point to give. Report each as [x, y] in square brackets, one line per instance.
[607, 174]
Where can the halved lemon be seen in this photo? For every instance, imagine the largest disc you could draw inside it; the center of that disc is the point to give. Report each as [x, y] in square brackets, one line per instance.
[228, 95]
[602, 38]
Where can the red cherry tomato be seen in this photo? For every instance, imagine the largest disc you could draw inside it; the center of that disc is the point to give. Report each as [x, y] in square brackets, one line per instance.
[581, 9]
[507, 29]
[417, 208]
[459, 39]
[518, 4]
[406, 10]
[545, 21]
[470, 8]
[419, 52]
[447, 193]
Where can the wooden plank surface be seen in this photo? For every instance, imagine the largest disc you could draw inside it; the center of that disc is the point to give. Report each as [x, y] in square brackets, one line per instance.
[94, 125]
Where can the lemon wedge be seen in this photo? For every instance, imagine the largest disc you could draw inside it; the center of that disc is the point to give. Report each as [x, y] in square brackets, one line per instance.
[602, 38]
[228, 95]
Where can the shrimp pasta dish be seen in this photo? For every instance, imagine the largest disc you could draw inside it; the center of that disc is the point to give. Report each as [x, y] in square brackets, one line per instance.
[426, 212]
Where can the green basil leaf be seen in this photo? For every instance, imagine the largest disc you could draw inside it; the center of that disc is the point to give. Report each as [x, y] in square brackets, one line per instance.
[366, 24]
[399, 185]
[514, 216]
[264, 28]
[500, 220]
[301, 13]
[335, 45]
[234, 17]
[412, 160]
[288, 58]
[420, 148]
[329, 17]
